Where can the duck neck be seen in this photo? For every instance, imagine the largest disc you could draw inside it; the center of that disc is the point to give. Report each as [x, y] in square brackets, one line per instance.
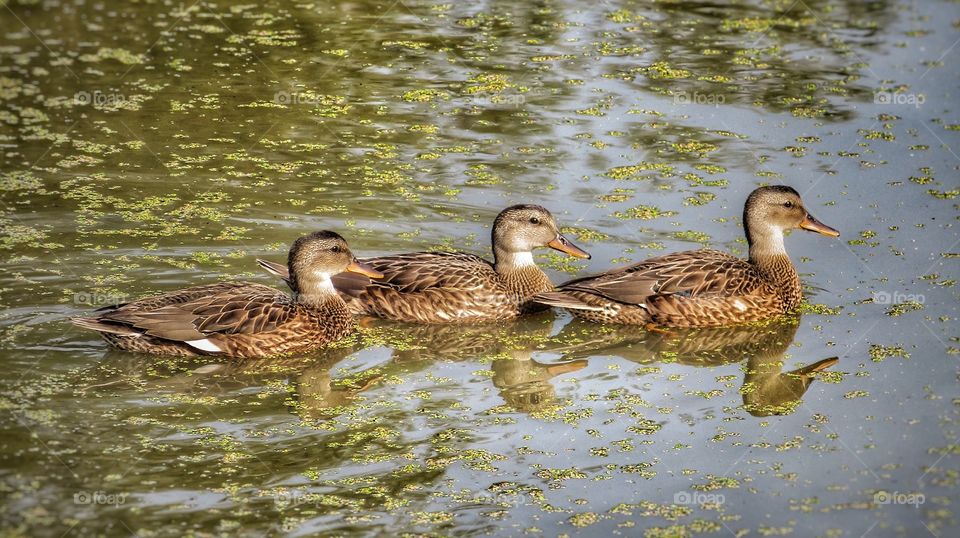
[769, 256]
[316, 292]
[520, 273]
[505, 261]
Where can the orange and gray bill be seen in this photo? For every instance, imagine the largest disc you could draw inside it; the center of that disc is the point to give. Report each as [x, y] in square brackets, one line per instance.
[561, 244]
[814, 225]
[364, 269]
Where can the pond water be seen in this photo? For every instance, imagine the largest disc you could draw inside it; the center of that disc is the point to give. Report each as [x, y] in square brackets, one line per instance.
[153, 145]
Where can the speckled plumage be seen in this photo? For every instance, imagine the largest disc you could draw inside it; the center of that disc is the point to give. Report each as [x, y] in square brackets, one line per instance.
[239, 319]
[702, 288]
[438, 287]
[456, 287]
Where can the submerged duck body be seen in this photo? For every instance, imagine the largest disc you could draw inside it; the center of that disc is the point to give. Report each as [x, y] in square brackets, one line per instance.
[703, 288]
[241, 319]
[456, 287]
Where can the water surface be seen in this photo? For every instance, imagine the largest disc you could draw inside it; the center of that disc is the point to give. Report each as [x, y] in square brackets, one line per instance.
[155, 145]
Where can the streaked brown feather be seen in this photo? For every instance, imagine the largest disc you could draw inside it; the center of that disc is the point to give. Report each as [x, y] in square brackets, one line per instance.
[704, 288]
[418, 271]
[697, 288]
[440, 287]
[444, 287]
[241, 319]
[693, 273]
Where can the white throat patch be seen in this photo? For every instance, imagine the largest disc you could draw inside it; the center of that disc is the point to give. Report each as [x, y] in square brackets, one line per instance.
[324, 281]
[523, 259]
[776, 243]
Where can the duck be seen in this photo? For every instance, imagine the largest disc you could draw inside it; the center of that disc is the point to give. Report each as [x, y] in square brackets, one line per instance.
[703, 288]
[242, 319]
[457, 287]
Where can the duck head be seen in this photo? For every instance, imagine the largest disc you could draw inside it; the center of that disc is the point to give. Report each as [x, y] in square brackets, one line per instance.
[314, 258]
[519, 229]
[770, 211]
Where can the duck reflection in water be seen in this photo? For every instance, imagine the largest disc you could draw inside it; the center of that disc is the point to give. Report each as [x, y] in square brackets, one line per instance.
[320, 396]
[767, 389]
[523, 382]
[317, 393]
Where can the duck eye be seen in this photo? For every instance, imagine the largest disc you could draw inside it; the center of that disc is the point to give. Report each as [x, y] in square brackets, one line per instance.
[335, 248]
[788, 204]
[534, 220]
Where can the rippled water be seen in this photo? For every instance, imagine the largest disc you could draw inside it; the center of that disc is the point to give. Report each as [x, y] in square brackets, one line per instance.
[154, 145]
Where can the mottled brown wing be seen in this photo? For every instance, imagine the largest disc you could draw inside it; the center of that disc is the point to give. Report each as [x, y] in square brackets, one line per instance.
[419, 271]
[249, 309]
[176, 297]
[674, 310]
[691, 273]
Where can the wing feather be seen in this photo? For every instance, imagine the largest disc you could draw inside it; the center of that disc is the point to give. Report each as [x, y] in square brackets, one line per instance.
[419, 271]
[690, 274]
[711, 311]
[236, 309]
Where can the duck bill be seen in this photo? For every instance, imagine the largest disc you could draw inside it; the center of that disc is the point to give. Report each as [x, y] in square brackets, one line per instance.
[561, 244]
[363, 269]
[573, 366]
[811, 224]
[818, 366]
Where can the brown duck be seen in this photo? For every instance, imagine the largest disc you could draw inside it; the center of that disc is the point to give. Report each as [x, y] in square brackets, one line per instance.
[242, 319]
[448, 287]
[703, 288]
